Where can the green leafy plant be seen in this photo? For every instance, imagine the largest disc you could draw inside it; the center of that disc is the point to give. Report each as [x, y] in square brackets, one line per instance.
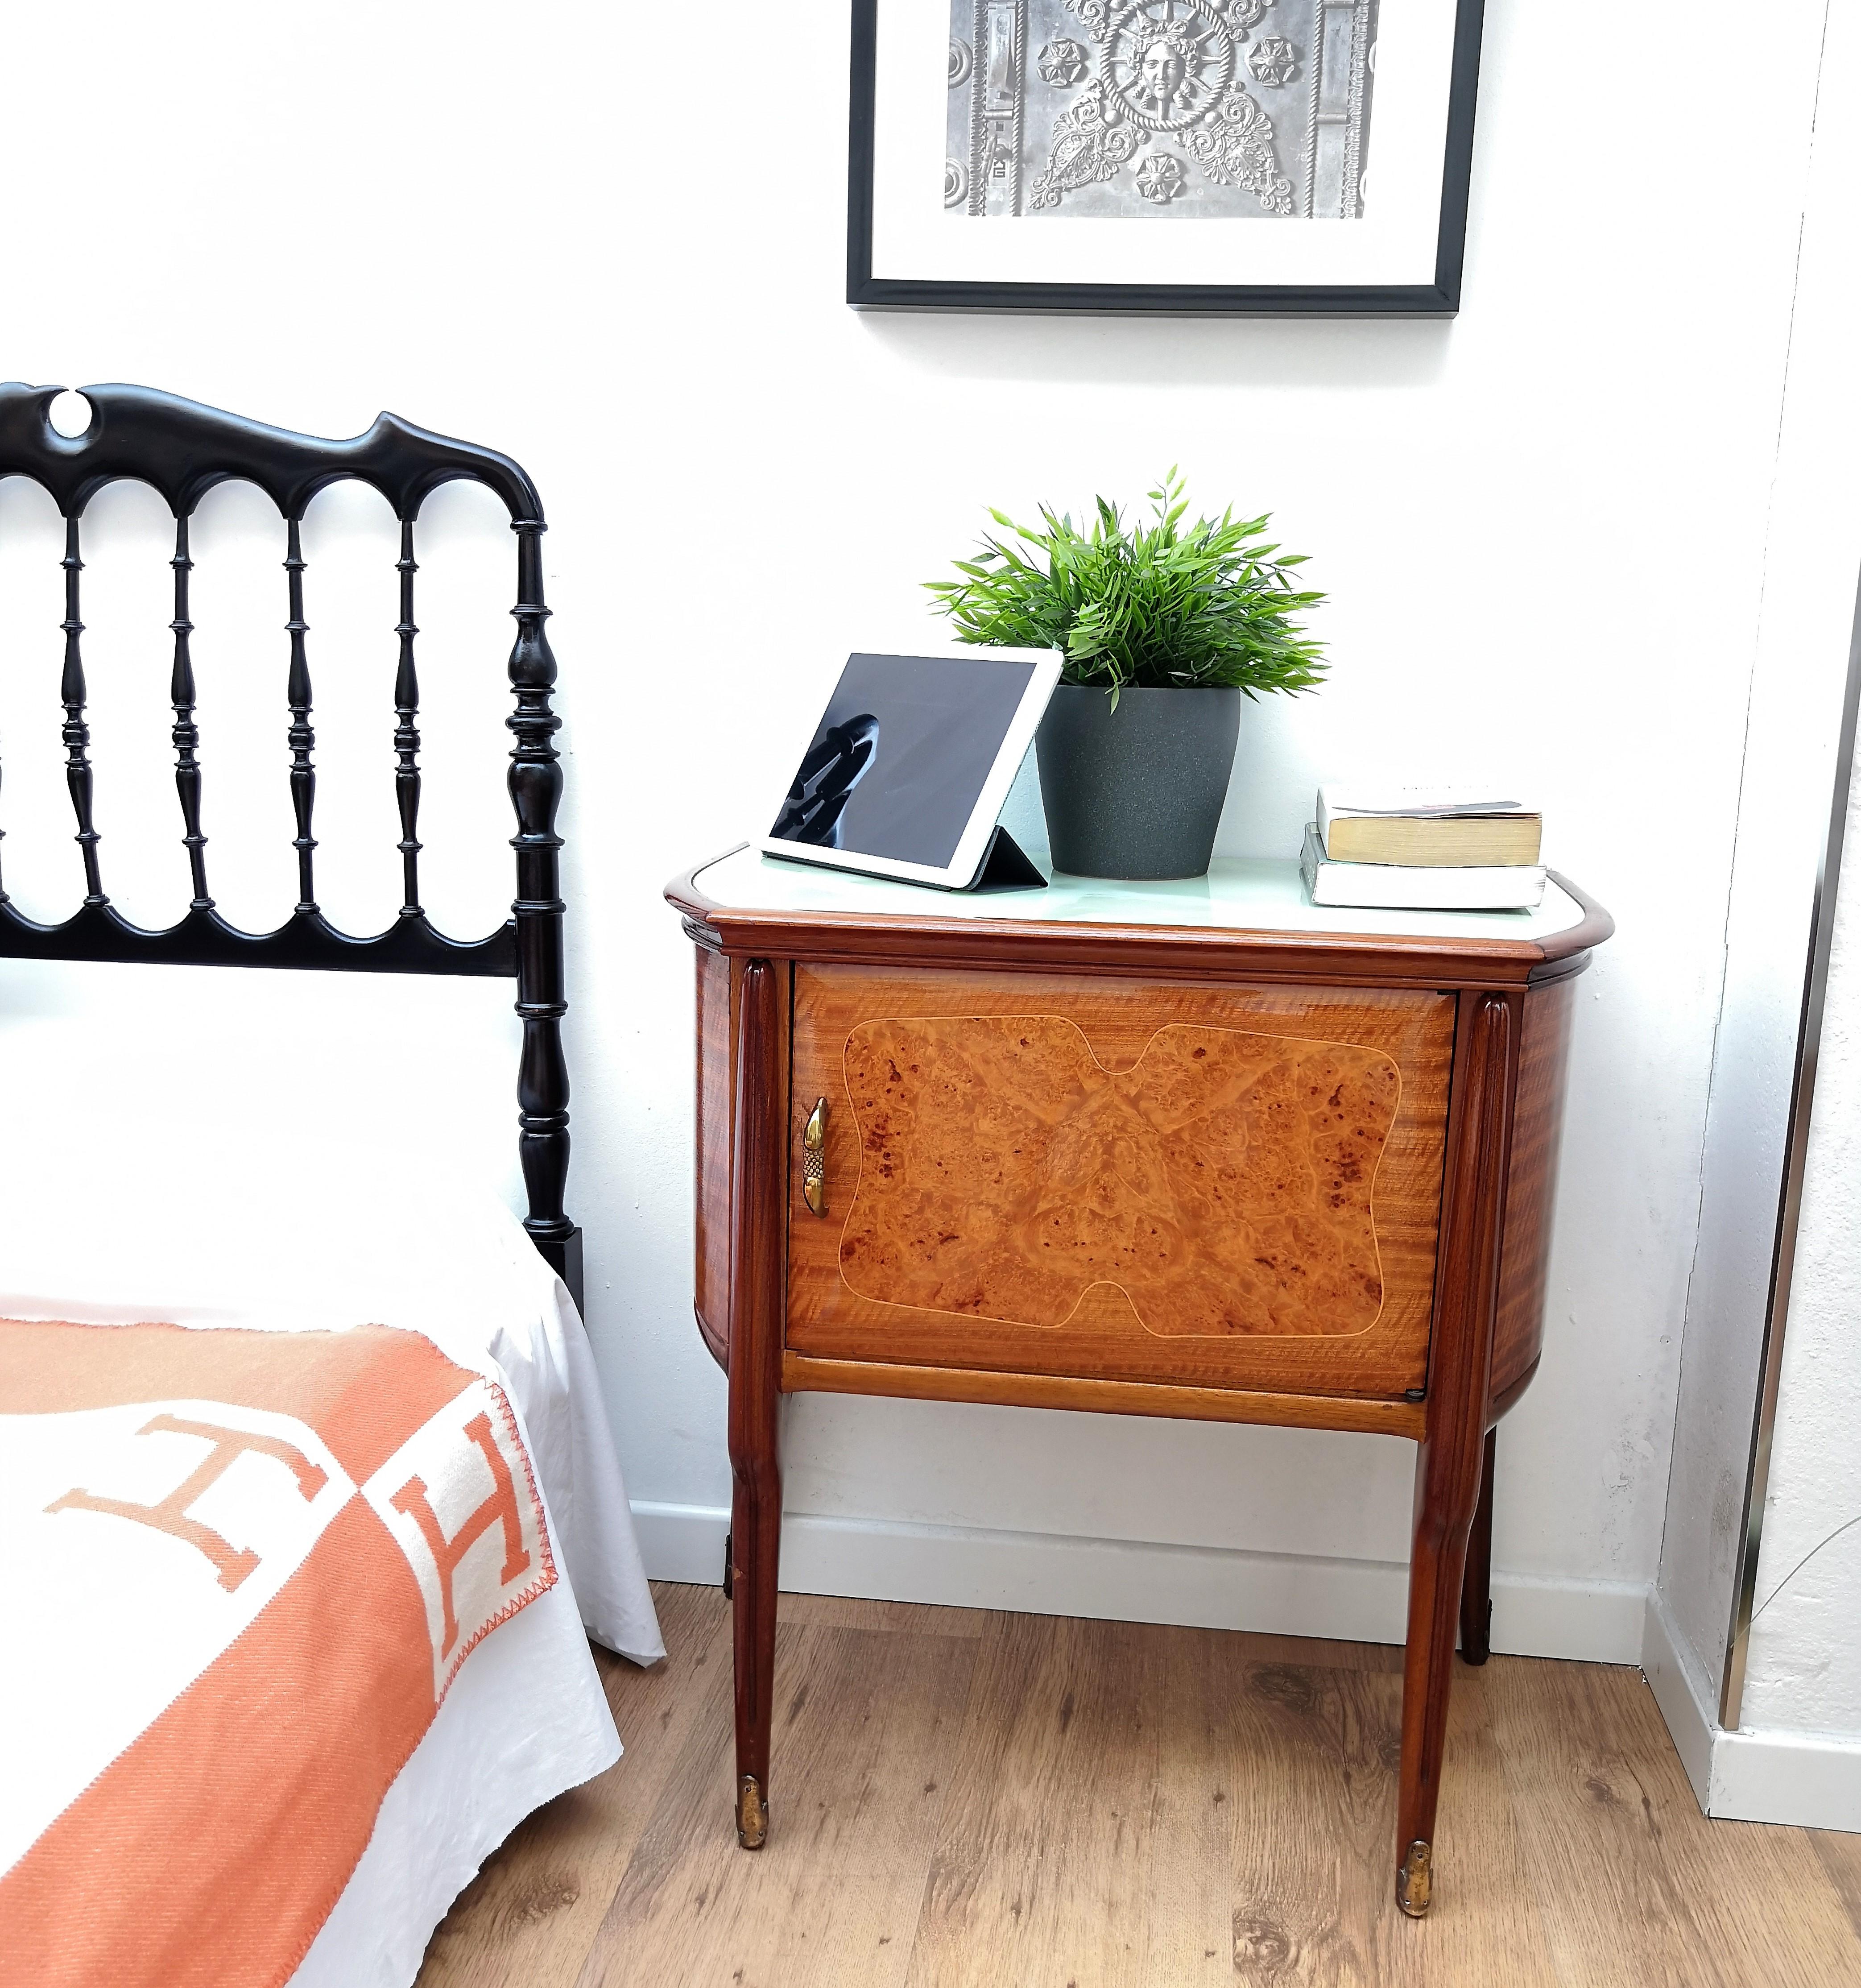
[1161, 605]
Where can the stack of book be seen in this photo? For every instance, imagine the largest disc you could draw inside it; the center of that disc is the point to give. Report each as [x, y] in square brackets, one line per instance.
[1424, 849]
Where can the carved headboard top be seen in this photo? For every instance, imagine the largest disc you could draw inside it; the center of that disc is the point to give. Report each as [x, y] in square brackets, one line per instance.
[183, 449]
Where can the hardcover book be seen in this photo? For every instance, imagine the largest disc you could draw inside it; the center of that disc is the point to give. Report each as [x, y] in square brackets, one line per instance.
[1420, 888]
[1427, 826]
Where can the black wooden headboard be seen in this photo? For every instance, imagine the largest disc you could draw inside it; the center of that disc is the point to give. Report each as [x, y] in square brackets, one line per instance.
[183, 449]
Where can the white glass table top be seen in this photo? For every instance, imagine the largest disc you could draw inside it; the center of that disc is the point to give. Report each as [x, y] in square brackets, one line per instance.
[1235, 896]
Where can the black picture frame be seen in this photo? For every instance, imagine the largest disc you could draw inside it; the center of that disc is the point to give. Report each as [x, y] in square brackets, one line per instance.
[1439, 299]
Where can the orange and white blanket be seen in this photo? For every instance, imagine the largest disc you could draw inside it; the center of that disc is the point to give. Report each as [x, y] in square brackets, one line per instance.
[244, 1568]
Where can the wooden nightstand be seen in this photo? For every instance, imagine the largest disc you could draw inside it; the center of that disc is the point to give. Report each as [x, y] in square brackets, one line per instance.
[1197, 1149]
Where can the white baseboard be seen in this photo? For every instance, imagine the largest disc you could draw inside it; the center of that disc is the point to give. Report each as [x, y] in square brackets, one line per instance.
[1766, 1774]
[682, 1542]
[1680, 1693]
[1759, 1773]
[1351, 1600]
[1581, 1621]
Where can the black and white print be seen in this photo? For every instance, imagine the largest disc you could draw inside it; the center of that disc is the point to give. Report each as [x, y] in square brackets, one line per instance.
[1159, 110]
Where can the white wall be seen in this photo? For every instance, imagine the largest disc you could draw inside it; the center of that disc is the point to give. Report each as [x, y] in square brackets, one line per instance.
[1541, 526]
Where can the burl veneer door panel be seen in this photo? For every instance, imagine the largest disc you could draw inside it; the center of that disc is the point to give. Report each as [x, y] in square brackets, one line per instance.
[1222, 1186]
[1222, 1183]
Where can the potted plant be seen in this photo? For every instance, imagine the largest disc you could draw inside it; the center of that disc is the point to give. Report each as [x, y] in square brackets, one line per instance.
[1164, 628]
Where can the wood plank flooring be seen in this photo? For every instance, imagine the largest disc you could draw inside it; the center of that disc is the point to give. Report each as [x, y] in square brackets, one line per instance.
[961, 1798]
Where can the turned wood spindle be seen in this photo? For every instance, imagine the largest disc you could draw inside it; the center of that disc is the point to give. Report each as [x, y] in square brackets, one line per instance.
[406, 733]
[76, 733]
[301, 737]
[185, 734]
[535, 782]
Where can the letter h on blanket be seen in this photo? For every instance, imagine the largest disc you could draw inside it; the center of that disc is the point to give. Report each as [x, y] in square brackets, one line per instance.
[169, 1515]
[412, 1499]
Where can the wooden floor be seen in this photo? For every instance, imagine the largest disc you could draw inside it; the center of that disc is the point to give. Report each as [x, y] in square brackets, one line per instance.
[1024, 1802]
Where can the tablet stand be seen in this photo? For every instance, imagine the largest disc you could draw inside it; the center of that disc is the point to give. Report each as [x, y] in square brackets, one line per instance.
[1006, 866]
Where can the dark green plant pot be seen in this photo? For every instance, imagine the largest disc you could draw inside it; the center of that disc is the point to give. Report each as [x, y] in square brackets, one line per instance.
[1136, 792]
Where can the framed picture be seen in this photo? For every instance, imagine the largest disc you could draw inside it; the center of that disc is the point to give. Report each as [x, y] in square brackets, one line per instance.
[1267, 157]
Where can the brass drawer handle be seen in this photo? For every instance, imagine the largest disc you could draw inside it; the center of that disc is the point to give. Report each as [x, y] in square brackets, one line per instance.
[814, 1160]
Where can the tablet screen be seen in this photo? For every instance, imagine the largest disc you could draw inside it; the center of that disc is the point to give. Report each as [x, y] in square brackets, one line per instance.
[901, 754]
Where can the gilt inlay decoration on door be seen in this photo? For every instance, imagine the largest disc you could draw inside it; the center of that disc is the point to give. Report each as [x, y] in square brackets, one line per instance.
[1224, 1182]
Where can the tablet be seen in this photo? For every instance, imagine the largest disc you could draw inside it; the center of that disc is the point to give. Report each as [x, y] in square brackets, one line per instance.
[912, 761]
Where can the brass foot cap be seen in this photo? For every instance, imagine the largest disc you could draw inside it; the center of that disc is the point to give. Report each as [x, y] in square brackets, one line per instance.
[1415, 1880]
[752, 1814]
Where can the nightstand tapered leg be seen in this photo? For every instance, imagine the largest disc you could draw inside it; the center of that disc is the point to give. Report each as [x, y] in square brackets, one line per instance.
[1454, 1449]
[1476, 1582]
[756, 1311]
[1447, 1489]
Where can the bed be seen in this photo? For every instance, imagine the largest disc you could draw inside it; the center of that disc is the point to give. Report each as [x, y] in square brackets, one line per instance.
[310, 1515]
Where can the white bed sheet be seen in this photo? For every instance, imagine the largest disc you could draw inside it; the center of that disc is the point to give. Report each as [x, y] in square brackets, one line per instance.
[162, 1222]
